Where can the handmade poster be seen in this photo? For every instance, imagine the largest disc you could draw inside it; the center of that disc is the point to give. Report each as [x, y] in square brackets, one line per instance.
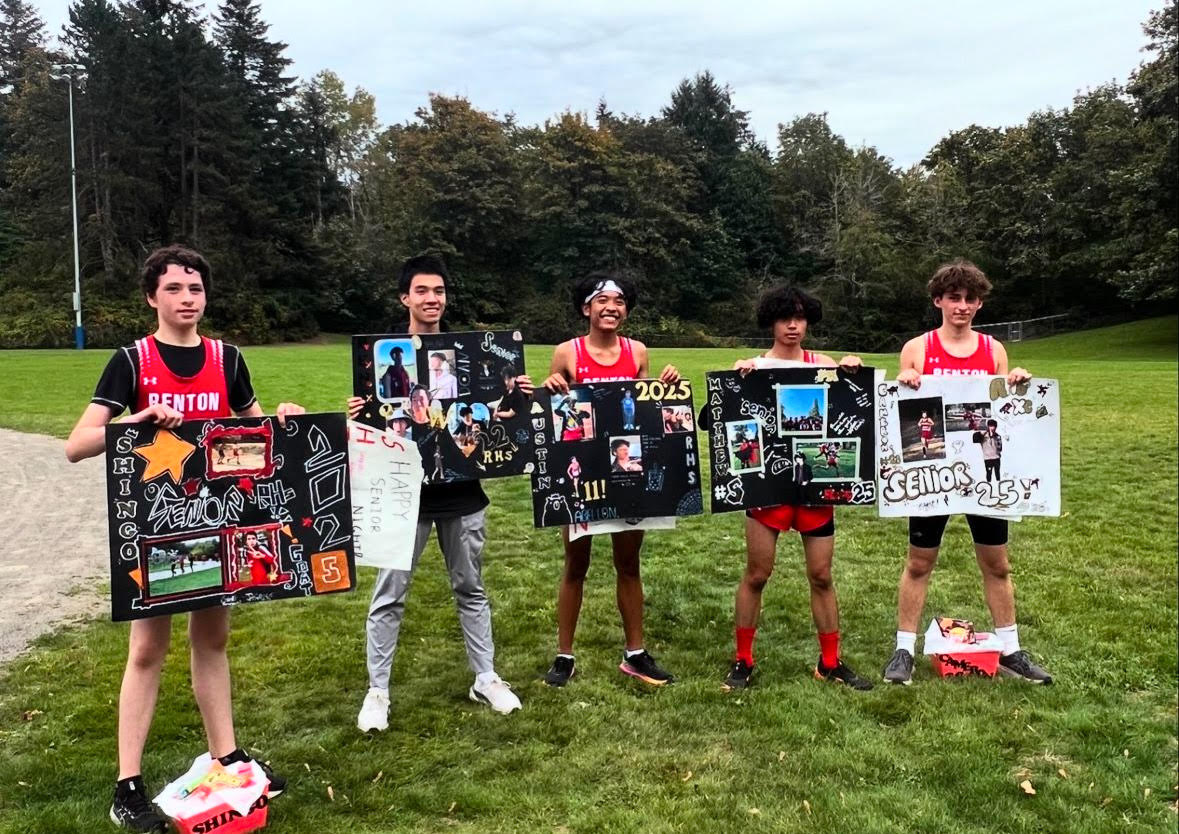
[386, 478]
[791, 435]
[969, 444]
[610, 451]
[452, 394]
[219, 512]
[210, 796]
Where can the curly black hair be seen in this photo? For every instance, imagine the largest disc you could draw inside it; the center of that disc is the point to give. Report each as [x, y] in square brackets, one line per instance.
[786, 302]
[589, 283]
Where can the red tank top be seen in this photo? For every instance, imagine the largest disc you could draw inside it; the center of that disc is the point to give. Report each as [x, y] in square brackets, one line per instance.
[938, 362]
[588, 369]
[199, 397]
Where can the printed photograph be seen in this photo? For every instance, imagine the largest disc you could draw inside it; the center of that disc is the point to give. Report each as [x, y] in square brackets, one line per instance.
[234, 451]
[443, 383]
[831, 460]
[514, 402]
[990, 444]
[802, 409]
[423, 410]
[398, 422]
[745, 446]
[629, 423]
[678, 419]
[967, 416]
[182, 566]
[467, 423]
[923, 434]
[396, 368]
[573, 419]
[254, 557]
[626, 455]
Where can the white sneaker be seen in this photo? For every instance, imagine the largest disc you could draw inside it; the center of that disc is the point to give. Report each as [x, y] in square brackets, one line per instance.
[489, 689]
[374, 714]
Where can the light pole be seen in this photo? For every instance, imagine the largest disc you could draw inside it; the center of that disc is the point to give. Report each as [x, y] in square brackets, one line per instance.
[68, 71]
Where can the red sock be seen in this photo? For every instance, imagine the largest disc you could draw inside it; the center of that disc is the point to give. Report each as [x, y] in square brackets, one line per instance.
[829, 647]
[745, 644]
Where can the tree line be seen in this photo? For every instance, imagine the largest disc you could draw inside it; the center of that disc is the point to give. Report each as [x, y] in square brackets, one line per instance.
[192, 128]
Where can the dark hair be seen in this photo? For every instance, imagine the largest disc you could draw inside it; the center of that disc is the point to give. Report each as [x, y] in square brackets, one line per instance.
[421, 265]
[992, 423]
[438, 355]
[619, 442]
[587, 285]
[508, 372]
[959, 275]
[786, 302]
[465, 410]
[157, 263]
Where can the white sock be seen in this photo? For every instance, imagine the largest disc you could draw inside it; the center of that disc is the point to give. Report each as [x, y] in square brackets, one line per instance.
[561, 654]
[632, 652]
[907, 640]
[1010, 637]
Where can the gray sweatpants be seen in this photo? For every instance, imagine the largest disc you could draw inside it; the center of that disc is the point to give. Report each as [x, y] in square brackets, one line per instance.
[461, 539]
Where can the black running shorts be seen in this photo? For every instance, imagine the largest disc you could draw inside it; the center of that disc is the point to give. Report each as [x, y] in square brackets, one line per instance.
[926, 531]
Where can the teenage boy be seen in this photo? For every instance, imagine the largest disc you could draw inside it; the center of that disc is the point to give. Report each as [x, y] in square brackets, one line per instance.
[991, 443]
[154, 379]
[786, 312]
[457, 511]
[956, 349]
[605, 300]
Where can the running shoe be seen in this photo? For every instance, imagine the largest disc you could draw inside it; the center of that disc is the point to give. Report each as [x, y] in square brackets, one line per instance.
[131, 809]
[841, 673]
[374, 712]
[899, 668]
[1020, 665]
[740, 676]
[644, 667]
[561, 671]
[489, 689]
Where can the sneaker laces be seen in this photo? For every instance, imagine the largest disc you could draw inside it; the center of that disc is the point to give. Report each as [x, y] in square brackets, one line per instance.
[137, 802]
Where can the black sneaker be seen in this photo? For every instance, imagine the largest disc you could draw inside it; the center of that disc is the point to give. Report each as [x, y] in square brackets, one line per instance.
[740, 676]
[1020, 665]
[561, 671]
[841, 673]
[131, 809]
[278, 784]
[644, 667]
[899, 668]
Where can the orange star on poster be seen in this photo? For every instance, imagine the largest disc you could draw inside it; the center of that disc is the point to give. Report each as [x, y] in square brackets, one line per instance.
[165, 456]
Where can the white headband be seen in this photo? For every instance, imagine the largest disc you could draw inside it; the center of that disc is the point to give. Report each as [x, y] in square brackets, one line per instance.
[604, 286]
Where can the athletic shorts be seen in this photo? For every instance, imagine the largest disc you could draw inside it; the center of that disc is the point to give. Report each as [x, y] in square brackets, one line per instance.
[926, 531]
[926, 434]
[809, 521]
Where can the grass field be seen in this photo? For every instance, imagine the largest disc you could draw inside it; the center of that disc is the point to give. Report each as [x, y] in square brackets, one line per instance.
[1096, 590]
[207, 576]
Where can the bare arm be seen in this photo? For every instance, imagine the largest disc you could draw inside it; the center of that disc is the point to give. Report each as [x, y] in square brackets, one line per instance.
[560, 369]
[643, 360]
[88, 438]
[912, 361]
[1015, 375]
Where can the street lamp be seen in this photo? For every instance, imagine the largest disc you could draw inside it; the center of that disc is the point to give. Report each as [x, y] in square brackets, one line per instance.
[67, 73]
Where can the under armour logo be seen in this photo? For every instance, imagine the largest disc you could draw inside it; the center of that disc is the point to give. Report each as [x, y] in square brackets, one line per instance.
[149, 380]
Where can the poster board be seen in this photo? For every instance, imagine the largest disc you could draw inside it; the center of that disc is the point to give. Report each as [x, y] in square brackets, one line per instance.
[969, 444]
[453, 394]
[797, 435]
[220, 512]
[616, 450]
[385, 472]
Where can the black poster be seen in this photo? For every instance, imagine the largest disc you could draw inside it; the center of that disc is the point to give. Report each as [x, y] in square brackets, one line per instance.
[791, 436]
[454, 394]
[220, 512]
[616, 450]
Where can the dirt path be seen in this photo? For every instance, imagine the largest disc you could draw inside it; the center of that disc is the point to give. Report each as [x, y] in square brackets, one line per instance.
[53, 522]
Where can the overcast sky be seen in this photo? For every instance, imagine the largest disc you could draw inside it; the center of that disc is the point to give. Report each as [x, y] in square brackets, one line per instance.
[898, 76]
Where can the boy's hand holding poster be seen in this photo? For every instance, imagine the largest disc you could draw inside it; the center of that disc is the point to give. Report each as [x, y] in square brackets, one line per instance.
[800, 435]
[970, 444]
[218, 512]
[453, 394]
[616, 450]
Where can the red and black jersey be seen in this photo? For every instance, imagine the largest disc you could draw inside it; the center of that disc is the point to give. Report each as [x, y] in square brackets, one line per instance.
[938, 362]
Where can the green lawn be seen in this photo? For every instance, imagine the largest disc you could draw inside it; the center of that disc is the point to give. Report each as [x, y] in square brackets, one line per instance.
[1097, 603]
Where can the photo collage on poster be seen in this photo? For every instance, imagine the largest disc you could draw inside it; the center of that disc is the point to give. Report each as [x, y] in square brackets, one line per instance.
[800, 435]
[970, 444]
[453, 394]
[616, 450]
[219, 512]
